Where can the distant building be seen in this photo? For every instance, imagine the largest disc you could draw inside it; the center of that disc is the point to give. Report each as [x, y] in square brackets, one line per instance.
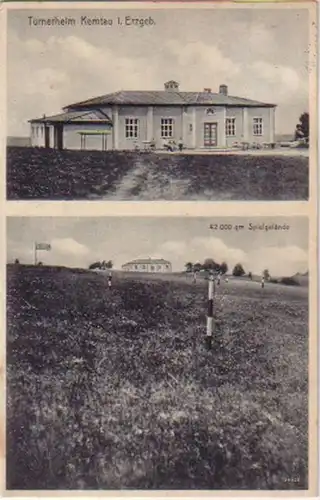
[126, 120]
[148, 266]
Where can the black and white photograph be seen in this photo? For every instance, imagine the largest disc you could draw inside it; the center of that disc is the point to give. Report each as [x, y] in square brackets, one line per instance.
[178, 362]
[159, 103]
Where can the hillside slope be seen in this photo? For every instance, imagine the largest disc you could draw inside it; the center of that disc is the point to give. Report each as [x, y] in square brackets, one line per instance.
[115, 389]
[38, 173]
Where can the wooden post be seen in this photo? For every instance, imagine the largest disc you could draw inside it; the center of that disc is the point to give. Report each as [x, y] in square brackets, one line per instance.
[110, 281]
[210, 319]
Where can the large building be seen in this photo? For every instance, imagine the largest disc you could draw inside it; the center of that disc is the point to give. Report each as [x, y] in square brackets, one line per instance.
[148, 266]
[127, 120]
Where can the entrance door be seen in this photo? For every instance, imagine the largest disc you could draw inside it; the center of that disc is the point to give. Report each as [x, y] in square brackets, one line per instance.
[210, 134]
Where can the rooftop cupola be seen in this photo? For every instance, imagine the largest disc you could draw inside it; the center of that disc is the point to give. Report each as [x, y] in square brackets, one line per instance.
[223, 89]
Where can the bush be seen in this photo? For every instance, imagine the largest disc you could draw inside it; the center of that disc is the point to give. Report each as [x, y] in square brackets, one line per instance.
[95, 265]
[289, 281]
[238, 270]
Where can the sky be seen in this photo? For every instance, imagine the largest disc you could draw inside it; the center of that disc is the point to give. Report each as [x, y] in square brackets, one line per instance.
[260, 54]
[78, 242]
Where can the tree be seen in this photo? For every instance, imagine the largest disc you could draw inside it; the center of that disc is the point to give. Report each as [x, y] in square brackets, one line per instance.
[189, 267]
[224, 268]
[197, 267]
[109, 264]
[266, 274]
[17, 261]
[95, 265]
[302, 128]
[209, 264]
[238, 270]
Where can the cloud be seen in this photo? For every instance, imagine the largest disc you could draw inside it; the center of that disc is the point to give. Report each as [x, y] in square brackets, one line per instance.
[44, 76]
[64, 252]
[284, 261]
[199, 249]
[281, 81]
[69, 246]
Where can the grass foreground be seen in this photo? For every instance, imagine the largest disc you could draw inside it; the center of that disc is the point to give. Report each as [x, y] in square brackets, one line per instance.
[39, 173]
[114, 389]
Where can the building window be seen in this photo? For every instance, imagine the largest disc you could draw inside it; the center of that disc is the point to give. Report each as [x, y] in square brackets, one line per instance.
[136, 267]
[152, 268]
[166, 128]
[257, 126]
[132, 128]
[230, 127]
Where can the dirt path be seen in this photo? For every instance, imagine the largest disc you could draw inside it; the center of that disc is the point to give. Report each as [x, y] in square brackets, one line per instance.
[146, 181]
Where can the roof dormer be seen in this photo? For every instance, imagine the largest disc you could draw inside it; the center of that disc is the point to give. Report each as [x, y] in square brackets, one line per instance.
[171, 85]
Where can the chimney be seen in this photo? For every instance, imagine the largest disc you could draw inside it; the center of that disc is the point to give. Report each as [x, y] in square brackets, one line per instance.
[171, 85]
[223, 89]
[207, 90]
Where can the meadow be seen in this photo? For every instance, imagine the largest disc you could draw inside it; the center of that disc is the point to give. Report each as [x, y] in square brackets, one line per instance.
[115, 389]
[38, 173]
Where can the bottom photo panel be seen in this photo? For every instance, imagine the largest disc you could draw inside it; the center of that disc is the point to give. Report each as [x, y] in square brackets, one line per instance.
[165, 353]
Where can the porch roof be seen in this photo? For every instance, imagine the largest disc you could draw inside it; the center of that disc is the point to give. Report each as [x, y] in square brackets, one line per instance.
[76, 117]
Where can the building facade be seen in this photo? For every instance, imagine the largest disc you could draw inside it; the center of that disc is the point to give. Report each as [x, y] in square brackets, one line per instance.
[127, 120]
[148, 266]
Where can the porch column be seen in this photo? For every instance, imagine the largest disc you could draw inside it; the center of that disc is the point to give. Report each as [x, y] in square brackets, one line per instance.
[46, 136]
[272, 124]
[184, 117]
[115, 132]
[222, 135]
[58, 136]
[150, 123]
[194, 135]
[245, 126]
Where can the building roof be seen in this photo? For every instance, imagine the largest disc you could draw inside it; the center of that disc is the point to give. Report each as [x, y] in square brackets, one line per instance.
[147, 261]
[167, 98]
[83, 116]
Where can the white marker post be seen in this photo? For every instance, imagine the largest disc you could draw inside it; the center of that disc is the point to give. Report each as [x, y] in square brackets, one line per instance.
[210, 319]
[110, 281]
[262, 282]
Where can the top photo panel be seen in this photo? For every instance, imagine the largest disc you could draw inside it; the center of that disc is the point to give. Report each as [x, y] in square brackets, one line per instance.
[158, 103]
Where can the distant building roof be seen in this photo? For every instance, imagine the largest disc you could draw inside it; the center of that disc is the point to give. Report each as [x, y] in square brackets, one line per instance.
[147, 261]
[82, 116]
[167, 98]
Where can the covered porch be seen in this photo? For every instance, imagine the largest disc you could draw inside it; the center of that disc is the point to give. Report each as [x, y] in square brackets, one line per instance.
[53, 131]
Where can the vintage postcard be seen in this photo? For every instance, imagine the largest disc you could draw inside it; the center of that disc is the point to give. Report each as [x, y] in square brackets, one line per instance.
[160, 102]
[160, 249]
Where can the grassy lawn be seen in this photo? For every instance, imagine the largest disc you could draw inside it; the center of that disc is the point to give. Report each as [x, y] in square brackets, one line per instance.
[36, 173]
[115, 389]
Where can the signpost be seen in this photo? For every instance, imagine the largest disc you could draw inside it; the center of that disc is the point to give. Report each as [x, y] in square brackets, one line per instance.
[210, 314]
